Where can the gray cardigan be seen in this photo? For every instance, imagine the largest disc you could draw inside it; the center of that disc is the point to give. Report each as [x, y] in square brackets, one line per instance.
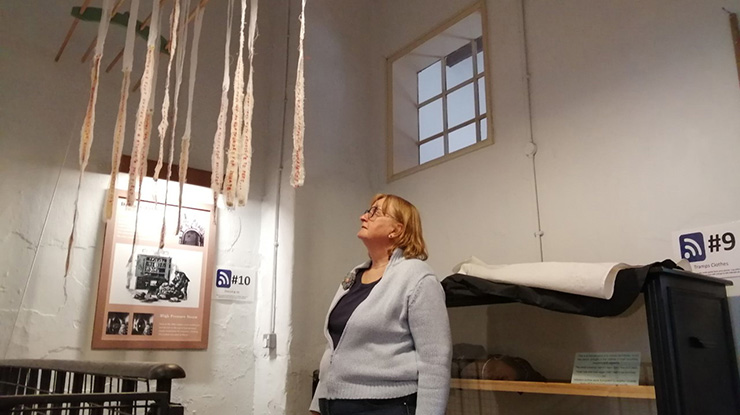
[397, 342]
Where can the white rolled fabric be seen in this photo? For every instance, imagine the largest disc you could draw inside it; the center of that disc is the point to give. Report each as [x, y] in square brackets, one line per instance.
[580, 278]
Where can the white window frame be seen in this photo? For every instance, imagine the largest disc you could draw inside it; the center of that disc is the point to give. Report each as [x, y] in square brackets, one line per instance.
[396, 140]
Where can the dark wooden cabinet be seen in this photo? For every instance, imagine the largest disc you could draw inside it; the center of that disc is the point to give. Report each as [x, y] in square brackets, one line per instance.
[695, 365]
[691, 344]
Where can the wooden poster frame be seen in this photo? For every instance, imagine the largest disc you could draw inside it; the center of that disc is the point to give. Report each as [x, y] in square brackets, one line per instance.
[140, 306]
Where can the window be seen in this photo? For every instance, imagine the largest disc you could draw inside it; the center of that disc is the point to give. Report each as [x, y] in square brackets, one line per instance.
[438, 96]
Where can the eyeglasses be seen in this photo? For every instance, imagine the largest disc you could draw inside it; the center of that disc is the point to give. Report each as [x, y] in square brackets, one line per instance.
[373, 212]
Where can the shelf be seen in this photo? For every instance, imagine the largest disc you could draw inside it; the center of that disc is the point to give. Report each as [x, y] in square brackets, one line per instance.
[557, 388]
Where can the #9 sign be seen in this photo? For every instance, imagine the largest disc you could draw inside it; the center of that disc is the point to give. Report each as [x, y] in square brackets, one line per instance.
[711, 250]
[232, 283]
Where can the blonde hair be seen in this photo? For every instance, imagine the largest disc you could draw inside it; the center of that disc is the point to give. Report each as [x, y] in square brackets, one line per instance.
[410, 239]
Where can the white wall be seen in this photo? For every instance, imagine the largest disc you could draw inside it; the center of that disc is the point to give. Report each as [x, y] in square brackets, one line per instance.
[277, 239]
[636, 116]
[341, 121]
[41, 108]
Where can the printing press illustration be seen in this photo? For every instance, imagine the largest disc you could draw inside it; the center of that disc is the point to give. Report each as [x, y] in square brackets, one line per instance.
[157, 279]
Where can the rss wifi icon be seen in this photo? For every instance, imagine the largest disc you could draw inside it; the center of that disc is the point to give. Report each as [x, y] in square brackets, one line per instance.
[223, 278]
[692, 247]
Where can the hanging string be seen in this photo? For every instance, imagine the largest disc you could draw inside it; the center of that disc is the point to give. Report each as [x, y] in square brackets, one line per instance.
[245, 165]
[88, 125]
[237, 115]
[185, 146]
[119, 133]
[299, 128]
[164, 124]
[143, 147]
[217, 158]
[179, 64]
[141, 114]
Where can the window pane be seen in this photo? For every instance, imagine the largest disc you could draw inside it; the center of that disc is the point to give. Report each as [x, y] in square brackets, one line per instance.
[481, 65]
[460, 106]
[431, 150]
[430, 81]
[462, 138]
[430, 119]
[483, 129]
[482, 95]
[460, 71]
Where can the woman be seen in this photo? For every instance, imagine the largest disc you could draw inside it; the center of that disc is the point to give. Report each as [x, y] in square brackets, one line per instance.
[388, 335]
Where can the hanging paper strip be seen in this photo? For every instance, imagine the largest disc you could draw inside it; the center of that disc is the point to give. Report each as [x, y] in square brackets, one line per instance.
[164, 124]
[88, 124]
[149, 120]
[144, 149]
[141, 114]
[179, 64]
[185, 146]
[119, 133]
[148, 123]
[298, 174]
[237, 116]
[217, 158]
[245, 164]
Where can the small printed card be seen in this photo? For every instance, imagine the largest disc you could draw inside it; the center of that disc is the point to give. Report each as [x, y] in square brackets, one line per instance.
[620, 368]
[710, 249]
[235, 284]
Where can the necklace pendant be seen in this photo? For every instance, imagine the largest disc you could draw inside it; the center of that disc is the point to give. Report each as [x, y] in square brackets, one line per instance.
[348, 281]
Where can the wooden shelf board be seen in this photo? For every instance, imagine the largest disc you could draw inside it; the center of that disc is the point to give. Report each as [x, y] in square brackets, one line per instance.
[557, 388]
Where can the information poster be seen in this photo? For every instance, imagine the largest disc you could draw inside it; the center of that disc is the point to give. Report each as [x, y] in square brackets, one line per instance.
[150, 298]
[711, 250]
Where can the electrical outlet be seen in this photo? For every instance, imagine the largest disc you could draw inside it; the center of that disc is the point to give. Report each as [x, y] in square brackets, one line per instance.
[269, 340]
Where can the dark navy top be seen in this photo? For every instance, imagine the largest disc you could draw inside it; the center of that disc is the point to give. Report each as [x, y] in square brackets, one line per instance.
[346, 305]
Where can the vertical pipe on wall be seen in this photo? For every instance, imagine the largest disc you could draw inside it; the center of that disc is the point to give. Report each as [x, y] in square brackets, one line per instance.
[532, 150]
[273, 300]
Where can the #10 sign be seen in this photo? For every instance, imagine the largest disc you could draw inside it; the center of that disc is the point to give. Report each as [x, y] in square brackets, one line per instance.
[234, 283]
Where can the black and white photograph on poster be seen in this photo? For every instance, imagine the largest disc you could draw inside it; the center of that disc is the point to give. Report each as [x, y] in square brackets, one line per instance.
[117, 323]
[143, 324]
[191, 232]
[161, 278]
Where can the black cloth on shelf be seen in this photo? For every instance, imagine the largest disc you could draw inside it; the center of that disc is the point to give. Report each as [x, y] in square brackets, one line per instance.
[466, 290]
